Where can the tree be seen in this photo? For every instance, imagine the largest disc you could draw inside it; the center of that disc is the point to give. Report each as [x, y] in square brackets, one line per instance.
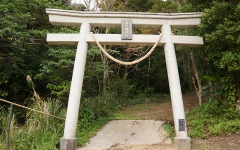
[164, 7]
[220, 28]
[220, 53]
[23, 28]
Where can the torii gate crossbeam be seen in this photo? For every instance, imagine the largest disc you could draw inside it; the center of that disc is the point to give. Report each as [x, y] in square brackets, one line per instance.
[113, 19]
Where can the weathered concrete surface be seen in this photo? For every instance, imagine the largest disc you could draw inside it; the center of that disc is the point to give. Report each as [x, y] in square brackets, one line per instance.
[126, 133]
[67, 144]
[182, 144]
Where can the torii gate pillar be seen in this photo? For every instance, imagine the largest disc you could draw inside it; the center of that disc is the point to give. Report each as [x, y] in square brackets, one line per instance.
[181, 141]
[69, 141]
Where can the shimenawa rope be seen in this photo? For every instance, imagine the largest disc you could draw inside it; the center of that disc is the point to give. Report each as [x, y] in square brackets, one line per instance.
[122, 62]
[6, 101]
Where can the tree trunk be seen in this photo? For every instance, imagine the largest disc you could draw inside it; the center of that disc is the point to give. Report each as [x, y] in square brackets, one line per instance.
[125, 77]
[105, 67]
[190, 85]
[105, 71]
[149, 69]
[197, 87]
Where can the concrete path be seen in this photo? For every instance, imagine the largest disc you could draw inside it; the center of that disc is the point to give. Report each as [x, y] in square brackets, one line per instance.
[127, 133]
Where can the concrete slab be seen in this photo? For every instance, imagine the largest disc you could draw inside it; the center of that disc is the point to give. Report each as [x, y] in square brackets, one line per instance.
[126, 133]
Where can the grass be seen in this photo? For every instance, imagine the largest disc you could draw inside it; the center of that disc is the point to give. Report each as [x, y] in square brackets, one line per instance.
[141, 107]
[121, 116]
[42, 132]
[39, 131]
[83, 134]
[130, 115]
[142, 98]
[168, 128]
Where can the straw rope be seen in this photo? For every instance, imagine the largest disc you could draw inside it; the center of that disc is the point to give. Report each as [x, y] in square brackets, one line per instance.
[122, 62]
[6, 101]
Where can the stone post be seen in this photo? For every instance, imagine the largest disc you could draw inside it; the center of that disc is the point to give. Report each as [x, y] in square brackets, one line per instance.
[69, 141]
[181, 141]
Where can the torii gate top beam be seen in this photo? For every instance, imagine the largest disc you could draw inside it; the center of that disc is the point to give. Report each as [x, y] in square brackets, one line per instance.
[113, 19]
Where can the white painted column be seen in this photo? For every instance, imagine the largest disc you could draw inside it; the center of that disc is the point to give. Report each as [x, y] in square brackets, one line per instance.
[174, 82]
[75, 91]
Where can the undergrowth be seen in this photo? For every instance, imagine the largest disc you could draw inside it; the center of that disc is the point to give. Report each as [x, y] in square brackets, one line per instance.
[84, 132]
[44, 132]
[143, 97]
[210, 119]
[94, 113]
[169, 129]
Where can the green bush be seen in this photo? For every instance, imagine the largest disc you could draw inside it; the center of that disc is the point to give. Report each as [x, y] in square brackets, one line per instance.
[94, 113]
[224, 127]
[209, 119]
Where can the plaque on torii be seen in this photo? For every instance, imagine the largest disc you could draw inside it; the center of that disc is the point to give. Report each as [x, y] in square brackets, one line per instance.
[127, 21]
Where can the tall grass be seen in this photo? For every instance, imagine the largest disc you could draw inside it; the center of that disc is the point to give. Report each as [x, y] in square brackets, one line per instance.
[42, 132]
[3, 127]
[39, 131]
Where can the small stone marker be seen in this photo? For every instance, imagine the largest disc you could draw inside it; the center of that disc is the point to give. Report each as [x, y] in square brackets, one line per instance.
[181, 125]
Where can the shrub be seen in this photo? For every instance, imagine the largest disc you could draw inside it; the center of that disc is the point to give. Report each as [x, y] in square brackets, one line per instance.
[209, 120]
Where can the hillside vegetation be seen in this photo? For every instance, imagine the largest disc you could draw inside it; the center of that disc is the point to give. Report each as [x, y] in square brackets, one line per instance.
[211, 70]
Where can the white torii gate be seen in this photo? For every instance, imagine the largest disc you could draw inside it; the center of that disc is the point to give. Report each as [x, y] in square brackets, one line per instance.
[166, 21]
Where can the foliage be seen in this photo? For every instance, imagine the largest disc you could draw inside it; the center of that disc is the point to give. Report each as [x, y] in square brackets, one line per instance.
[210, 119]
[93, 108]
[164, 7]
[86, 131]
[222, 91]
[56, 71]
[126, 6]
[39, 131]
[121, 116]
[219, 25]
[25, 52]
[23, 28]
[94, 113]
[168, 128]
[220, 28]
[109, 86]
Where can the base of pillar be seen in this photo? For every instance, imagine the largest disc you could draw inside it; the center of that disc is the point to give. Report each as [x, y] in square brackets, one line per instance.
[68, 144]
[182, 144]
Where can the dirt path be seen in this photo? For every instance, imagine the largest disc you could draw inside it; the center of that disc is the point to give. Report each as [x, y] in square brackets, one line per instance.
[158, 110]
[162, 111]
